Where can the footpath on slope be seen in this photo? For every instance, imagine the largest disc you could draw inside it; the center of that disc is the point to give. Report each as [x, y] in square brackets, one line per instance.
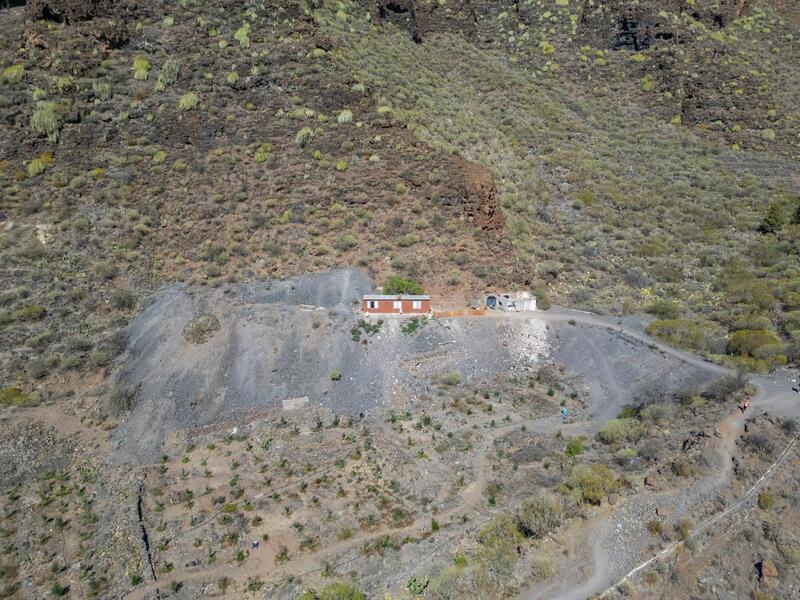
[618, 540]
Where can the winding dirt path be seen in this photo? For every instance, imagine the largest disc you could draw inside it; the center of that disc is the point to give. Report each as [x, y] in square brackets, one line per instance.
[616, 544]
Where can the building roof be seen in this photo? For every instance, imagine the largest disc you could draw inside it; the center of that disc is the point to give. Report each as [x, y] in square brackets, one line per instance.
[395, 297]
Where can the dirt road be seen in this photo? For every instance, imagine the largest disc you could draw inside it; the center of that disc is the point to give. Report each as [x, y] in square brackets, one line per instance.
[617, 541]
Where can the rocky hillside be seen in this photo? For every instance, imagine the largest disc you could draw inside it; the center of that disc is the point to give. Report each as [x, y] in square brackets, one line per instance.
[618, 157]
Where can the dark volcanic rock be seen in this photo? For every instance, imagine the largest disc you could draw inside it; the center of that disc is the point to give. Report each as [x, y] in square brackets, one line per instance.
[620, 24]
[69, 11]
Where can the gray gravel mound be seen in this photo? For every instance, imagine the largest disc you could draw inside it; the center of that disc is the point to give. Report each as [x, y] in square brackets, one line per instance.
[273, 347]
[620, 371]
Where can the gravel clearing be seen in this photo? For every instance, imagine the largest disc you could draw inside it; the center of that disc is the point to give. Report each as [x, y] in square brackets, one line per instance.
[281, 341]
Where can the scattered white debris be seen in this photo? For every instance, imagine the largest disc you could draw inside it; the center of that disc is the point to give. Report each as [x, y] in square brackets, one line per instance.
[531, 341]
[43, 233]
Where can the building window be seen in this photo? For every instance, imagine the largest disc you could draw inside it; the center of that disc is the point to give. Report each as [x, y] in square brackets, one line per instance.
[398, 305]
[373, 304]
[416, 304]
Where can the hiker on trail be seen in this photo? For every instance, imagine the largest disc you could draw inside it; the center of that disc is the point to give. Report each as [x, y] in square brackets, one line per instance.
[564, 413]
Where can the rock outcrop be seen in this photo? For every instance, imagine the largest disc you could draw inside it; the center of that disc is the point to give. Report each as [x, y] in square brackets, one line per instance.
[474, 192]
[620, 24]
[422, 18]
[69, 11]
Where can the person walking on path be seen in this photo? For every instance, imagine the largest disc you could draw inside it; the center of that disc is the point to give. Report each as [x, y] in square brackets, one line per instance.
[564, 412]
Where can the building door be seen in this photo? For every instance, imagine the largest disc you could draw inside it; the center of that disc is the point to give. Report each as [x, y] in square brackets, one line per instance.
[398, 305]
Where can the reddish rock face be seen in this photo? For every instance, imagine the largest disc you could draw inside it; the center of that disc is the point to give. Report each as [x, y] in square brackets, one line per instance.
[476, 193]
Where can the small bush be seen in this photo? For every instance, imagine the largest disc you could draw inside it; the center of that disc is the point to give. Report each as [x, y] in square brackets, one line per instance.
[684, 528]
[542, 297]
[624, 456]
[591, 483]
[452, 378]
[304, 137]
[102, 91]
[141, 68]
[14, 74]
[398, 285]
[201, 328]
[619, 430]
[574, 447]
[725, 387]
[452, 583]
[766, 500]
[760, 443]
[540, 515]
[336, 375]
[188, 101]
[45, 120]
[346, 116]
[12, 396]
[341, 591]
[346, 242]
[168, 75]
[752, 342]
[39, 165]
[665, 309]
[656, 527]
[242, 35]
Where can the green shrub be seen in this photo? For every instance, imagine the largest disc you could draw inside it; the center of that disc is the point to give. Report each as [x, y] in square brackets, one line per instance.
[574, 447]
[542, 297]
[14, 74]
[341, 591]
[188, 101]
[757, 343]
[168, 75]
[263, 153]
[242, 35]
[540, 515]
[766, 500]
[304, 137]
[39, 165]
[12, 396]
[684, 528]
[341, 165]
[591, 483]
[336, 375]
[501, 532]
[102, 90]
[346, 242]
[665, 309]
[685, 333]
[452, 378]
[398, 285]
[619, 430]
[141, 68]
[32, 312]
[346, 116]
[790, 553]
[45, 120]
[624, 456]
